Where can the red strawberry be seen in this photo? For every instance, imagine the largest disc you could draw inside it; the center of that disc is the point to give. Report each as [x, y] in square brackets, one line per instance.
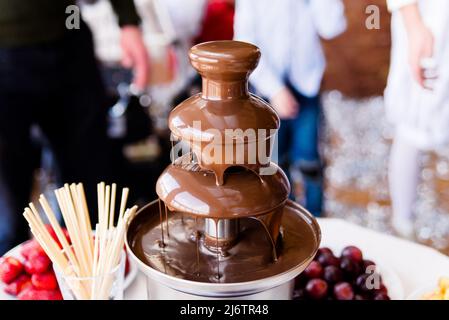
[44, 281]
[10, 269]
[29, 247]
[28, 294]
[51, 232]
[67, 235]
[37, 263]
[21, 283]
[55, 237]
[34, 294]
[127, 266]
[56, 295]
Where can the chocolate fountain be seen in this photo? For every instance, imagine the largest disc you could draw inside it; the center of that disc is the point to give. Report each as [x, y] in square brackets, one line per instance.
[223, 226]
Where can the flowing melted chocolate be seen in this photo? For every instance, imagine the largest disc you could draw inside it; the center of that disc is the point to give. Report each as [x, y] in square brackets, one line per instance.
[224, 107]
[250, 259]
[244, 193]
[272, 237]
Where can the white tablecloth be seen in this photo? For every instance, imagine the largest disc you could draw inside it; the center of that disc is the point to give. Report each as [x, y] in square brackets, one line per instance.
[416, 265]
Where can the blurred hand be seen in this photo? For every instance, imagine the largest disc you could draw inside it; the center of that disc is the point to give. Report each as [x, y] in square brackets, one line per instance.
[135, 55]
[421, 45]
[420, 41]
[285, 104]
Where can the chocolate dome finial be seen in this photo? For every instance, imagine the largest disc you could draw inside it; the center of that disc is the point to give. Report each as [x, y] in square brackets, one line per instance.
[224, 59]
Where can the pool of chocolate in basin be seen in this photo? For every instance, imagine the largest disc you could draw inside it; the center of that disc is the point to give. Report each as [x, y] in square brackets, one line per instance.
[250, 259]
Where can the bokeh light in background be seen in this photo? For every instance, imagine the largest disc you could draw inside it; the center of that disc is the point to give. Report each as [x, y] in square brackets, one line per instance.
[357, 137]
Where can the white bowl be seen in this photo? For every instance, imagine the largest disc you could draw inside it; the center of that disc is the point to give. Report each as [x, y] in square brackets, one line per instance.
[420, 292]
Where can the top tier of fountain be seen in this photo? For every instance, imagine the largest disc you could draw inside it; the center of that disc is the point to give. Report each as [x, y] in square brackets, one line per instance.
[228, 171]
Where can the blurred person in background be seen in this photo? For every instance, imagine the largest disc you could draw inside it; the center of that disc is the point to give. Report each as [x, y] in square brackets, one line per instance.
[7, 225]
[416, 97]
[214, 21]
[289, 76]
[218, 21]
[49, 77]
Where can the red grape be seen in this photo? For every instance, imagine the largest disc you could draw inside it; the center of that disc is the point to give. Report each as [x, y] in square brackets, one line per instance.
[353, 253]
[381, 296]
[382, 289]
[343, 291]
[367, 263]
[314, 270]
[332, 274]
[324, 250]
[361, 282]
[301, 281]
[340, 278]
[328, 259]
[316, 289]
[350, 268]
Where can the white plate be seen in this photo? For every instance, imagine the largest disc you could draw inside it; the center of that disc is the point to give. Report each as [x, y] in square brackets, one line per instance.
[419, 293]
[389, 276]
[15, 252]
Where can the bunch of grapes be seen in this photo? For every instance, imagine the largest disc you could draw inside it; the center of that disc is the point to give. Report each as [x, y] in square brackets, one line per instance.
[347, 277]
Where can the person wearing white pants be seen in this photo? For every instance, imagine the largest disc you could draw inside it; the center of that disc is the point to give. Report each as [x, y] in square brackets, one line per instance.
[416, 97]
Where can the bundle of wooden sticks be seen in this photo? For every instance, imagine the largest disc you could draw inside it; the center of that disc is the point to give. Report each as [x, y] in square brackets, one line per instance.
[89, 261]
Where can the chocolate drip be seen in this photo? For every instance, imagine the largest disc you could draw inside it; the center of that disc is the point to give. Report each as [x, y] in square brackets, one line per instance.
[250, 259]
[162, 242]
[166, 220]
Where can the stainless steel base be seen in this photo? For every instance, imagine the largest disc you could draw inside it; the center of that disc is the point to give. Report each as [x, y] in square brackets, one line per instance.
[161, 286]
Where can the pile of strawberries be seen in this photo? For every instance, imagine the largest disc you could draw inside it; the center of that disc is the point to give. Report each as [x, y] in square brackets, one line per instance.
[30, 278]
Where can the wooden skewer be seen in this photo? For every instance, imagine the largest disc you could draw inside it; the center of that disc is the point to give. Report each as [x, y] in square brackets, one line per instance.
[100, 201]
[107, 202]
[35, 221]
[125, 192]
[95, 265]
[85, 234]
[112, 206]
[88, 227]
[116, 249]
[59, 233]
[76, 287]
[50, 247]
[102, 218]
[107, 237]
[39, 228]
[73, 229]
[85, 257]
